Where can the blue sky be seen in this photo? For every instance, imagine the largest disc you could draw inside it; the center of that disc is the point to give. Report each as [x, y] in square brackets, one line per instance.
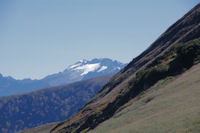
[41, 37]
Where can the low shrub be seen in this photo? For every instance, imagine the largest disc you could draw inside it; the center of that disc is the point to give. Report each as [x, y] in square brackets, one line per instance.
[189, 53]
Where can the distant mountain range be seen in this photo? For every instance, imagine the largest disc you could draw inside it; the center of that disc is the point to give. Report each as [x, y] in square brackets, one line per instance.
[81, 70]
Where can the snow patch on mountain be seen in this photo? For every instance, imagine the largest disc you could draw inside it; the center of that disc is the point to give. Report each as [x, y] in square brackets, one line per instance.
[76, 65]
[102, 68]
[88, 68]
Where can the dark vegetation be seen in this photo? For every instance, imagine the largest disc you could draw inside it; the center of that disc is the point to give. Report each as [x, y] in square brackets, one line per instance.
[173, 62]
[189, 53]
[46, 105]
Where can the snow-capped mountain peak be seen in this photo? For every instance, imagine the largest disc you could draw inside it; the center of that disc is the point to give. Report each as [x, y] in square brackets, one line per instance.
[85, 69]
[88, 68]
[102, 65]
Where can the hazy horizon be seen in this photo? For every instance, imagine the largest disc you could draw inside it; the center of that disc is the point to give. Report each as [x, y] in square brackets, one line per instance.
[38, 38]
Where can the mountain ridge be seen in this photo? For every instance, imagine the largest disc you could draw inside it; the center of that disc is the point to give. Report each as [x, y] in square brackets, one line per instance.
[11, 86]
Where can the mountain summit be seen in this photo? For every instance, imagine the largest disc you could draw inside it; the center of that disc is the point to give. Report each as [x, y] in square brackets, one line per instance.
[85, 69]
[81, 70]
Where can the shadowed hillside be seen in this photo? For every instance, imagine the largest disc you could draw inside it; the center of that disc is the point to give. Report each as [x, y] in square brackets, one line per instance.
[46, 105]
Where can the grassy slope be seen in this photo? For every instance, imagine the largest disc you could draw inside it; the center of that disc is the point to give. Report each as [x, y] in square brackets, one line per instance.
[173, 108]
